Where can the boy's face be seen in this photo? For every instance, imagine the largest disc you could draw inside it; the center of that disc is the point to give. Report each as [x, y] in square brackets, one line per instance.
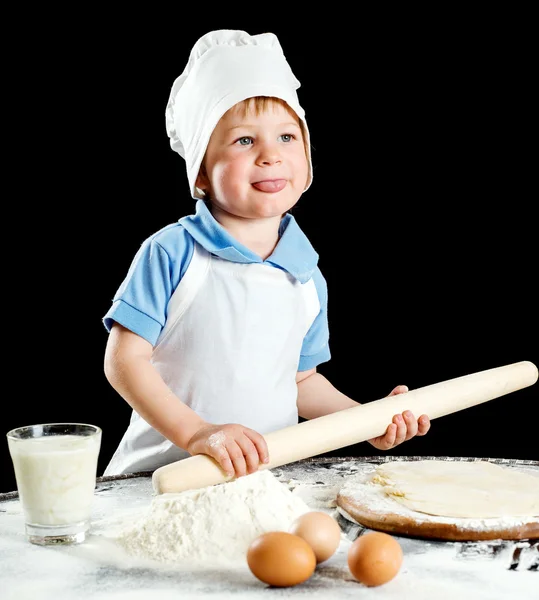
[255, 165]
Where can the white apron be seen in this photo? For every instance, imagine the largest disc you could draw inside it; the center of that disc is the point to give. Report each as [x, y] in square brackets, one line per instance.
[230, 350]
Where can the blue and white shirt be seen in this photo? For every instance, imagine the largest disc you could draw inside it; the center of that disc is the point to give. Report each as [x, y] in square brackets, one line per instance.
[229, 330]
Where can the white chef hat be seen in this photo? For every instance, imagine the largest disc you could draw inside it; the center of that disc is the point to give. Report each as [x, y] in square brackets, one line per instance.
[225, 67]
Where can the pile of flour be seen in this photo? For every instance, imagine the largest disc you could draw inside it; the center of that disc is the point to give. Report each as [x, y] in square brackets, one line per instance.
[217, 522]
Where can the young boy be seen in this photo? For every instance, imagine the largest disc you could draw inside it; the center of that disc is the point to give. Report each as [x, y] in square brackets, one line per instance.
[217, 331]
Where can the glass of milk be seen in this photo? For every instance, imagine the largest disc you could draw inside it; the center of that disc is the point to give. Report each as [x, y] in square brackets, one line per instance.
[55, 468]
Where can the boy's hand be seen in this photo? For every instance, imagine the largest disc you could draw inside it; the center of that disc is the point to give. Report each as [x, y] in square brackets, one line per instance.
[238, 450]
[402, 428]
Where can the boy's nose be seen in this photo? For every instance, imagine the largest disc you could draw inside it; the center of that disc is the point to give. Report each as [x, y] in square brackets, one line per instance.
[269, 155]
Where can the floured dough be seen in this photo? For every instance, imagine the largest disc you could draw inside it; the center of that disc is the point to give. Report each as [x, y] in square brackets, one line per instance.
[477, 489]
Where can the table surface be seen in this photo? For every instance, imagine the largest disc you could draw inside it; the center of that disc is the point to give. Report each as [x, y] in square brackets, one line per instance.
[99, 569]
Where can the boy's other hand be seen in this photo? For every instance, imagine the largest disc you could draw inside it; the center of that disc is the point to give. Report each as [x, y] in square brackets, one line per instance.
[402, 428]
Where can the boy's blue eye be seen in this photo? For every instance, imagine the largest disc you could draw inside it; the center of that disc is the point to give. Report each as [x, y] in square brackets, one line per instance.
[244, 141]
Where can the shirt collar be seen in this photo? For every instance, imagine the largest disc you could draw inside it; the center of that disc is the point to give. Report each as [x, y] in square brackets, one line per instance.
[293, 253]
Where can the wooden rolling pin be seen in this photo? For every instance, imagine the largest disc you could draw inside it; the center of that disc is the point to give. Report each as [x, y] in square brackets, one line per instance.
[354, 425]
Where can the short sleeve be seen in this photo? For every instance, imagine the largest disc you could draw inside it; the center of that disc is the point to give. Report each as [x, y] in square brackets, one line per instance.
[141, 302]
[315, 349]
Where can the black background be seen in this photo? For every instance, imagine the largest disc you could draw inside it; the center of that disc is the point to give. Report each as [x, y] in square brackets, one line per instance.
[422, 206]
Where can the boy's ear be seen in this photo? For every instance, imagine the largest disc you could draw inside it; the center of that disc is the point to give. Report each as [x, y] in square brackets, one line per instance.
[202, 182]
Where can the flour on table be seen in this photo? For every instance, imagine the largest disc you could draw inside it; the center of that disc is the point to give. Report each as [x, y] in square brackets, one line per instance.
[216, 523]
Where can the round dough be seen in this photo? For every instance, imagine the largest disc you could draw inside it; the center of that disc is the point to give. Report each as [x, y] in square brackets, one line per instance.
[477, 489]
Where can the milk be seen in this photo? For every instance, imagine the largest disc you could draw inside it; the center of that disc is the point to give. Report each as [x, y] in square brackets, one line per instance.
[56, 477]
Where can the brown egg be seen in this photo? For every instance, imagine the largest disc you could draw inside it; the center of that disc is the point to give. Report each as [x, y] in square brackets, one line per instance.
[281, 559]
[320, 530]
[375, 558]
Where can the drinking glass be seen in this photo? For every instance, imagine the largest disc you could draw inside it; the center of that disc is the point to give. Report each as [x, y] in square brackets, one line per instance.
[55, 468]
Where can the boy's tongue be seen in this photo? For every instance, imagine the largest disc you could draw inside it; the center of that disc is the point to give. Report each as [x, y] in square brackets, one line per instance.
[273, 185]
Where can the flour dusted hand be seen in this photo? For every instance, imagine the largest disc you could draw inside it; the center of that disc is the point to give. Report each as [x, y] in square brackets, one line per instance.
[238, 450]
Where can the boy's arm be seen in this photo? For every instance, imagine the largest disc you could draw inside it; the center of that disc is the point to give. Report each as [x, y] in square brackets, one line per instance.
[318, 397]
[239, 450]
[130, 372]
